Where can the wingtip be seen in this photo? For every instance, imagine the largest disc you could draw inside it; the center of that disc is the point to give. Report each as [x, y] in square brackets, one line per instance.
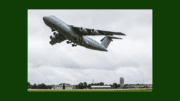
[123, 34]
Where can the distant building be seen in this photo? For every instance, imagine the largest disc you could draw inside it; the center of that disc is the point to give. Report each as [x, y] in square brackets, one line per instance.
[62, 86]
[139, 86]
[121, 82]
[53, 86]
[74, 86]
[101, 87]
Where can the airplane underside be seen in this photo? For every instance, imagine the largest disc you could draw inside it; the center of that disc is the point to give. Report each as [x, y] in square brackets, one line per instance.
[83, 42]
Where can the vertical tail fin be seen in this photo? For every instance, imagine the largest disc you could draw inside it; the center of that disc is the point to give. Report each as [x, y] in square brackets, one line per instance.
[107, 39]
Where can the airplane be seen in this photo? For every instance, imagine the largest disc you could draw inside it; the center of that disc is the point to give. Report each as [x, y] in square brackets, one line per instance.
[78, 35]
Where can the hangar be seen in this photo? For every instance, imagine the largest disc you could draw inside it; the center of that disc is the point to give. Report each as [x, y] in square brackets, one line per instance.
[101, 87]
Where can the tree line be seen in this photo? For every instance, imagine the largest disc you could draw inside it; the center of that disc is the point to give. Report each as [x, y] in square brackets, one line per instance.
[85, 86]
[79, 86]
[39, 86]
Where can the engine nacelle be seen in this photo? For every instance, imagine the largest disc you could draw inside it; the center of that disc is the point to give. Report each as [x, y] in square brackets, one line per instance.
[94, 31]
[83, 30]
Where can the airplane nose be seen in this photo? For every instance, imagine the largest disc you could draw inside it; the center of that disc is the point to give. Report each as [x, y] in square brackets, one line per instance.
[44, 18]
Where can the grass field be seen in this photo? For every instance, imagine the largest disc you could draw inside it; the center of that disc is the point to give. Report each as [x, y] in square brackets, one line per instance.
[93, 90]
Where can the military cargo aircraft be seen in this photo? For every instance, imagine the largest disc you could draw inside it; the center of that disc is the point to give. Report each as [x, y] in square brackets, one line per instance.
[78, 35]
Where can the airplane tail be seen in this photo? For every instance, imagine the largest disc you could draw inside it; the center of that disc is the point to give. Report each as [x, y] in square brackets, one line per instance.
[107, 39]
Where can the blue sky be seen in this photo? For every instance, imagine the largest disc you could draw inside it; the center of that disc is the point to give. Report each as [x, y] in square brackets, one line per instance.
[130, 57]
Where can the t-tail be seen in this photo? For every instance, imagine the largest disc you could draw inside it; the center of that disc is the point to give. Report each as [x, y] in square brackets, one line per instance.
[107, 39]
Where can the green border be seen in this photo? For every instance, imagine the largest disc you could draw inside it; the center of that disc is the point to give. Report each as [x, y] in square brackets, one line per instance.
[19, 47]
[92, 92]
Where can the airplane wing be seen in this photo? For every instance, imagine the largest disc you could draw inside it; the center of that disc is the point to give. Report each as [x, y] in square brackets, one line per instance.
[57, 39]
[88, 31]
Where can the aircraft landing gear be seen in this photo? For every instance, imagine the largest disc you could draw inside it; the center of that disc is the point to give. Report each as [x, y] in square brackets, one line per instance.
[68, 42]
[74, 45]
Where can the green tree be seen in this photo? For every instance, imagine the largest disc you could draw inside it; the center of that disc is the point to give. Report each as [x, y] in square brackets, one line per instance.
[34, 86]
[81, 85]
[114, 85]
[29, 85]
[42, 86]
[101, 83]
[85, 85]
[89, 86]
[49, 86]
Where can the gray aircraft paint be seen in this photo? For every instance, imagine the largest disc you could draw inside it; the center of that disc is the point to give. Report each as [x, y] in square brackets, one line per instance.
[106, 42]
[66, 30]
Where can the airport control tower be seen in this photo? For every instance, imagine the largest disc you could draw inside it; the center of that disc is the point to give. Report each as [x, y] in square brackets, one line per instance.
[121, 82]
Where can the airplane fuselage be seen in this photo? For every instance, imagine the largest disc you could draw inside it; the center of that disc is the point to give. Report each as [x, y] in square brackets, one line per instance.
[66, 30]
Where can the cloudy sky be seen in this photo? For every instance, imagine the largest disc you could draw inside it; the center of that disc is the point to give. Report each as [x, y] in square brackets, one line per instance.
[130, 57]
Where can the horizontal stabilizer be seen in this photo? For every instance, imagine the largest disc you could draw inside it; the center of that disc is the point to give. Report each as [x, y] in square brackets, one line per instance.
[111, 37]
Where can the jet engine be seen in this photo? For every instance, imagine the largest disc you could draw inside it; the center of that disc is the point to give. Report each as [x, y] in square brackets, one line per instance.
[83, 30]
[94, 31]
